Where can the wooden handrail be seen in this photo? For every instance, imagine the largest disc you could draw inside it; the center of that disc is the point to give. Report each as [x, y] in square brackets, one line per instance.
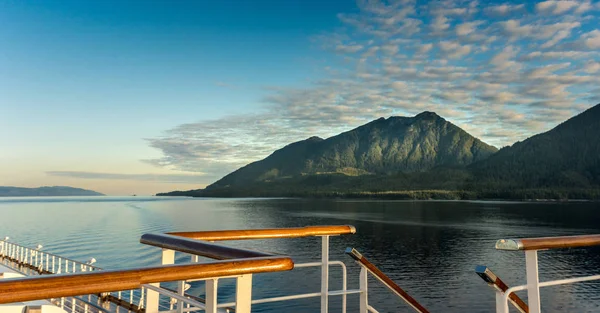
[272, 233]
[66, 285]
[548, 243]
[386, 280]
[197, 247]
[495, 282]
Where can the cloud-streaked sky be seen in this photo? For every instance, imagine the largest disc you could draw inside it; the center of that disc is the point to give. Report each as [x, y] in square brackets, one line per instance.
[146, 96]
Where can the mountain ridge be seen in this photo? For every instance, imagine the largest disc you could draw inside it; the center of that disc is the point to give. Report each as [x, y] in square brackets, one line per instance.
[562, 163]
[382, 146]
[45, 191]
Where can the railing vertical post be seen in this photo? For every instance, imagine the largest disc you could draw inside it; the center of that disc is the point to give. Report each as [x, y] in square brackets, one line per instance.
[211, 295]
[364, 295]
[243, 294]
[152, 296]
[501, 303]
[533, 283]
[181, 291]
[324, 274]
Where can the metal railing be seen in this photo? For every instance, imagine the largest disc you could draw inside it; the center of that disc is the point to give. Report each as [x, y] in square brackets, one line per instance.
[36, 261]
[368, 268]
[240, 265]
[33, 261]
[195, 243]
[531, 246]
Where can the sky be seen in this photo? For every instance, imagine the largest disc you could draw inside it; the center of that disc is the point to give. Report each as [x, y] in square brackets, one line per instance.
[140, 97]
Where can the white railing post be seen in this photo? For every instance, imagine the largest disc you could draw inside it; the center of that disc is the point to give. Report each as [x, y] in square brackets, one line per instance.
[501, 302]
[211, 295]
[181, 291]
[243, 294]
[364, 294]
[324, 274]
[533, 283]
[152, 296]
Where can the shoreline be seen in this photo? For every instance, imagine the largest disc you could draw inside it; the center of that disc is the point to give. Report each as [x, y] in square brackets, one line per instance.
[422, 195]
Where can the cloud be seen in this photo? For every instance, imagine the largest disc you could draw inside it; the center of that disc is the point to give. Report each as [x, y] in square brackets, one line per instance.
[348, 48]
[521, 68]
[514, 28]
[559, 7]
[592, 39]
[425, 47]
[504, 9]
[440, 23]
[467, 28]
[160, 178]
[559, 36]
[454, 49]
[592, 67]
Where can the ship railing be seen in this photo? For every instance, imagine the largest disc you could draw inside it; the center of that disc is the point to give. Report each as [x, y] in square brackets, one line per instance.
[193, 242]
[201, 244]
[369, 268]
[34, 261]
[226, 263]
[531, 246]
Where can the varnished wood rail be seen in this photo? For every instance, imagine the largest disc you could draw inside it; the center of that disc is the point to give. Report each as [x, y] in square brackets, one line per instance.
[544, 243]
[495, 282]
[197, 247]
[386, 280]
[271, 233]
[232, 262]
[196, 242]
[65, 285]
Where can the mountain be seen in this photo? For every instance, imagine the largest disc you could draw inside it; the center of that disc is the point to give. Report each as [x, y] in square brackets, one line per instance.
[567, 156]
[381, 147]
[426, 157]
[45, 192]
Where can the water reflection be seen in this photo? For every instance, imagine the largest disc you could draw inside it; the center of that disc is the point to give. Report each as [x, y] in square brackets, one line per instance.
[430, 248]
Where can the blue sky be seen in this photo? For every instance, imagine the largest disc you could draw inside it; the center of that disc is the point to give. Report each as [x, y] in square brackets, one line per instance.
[146, 96]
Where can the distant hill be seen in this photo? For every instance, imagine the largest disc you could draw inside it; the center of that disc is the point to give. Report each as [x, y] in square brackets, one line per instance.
[46, 192]
[567, 156]
[426, 157]
[381, 147]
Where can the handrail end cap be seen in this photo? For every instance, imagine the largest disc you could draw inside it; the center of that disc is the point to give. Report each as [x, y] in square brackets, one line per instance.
[509, 244]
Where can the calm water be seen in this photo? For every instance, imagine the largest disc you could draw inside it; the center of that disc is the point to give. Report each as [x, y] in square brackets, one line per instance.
[429, 248]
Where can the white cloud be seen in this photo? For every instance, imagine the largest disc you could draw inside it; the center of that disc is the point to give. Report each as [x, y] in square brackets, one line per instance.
[515, 29]
[584, 7]
[390, 49]
[592, 67]
[592, 39]
[519, 67]
[454, 49]
[425, 48]
[503, 59]
[556, 7]
[558, 37]
[545, 71]
[467, 28]
[504, 9]
[440, 23]
[348, 48]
